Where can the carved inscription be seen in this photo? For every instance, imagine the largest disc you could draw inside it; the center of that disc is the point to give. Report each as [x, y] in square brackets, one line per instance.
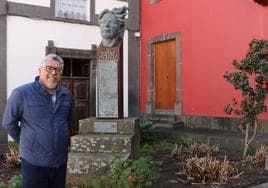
[105, 127]
[107, 80]
[108, 55]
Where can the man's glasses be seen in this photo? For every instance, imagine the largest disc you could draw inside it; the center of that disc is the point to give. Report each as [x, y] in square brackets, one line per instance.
[50, 69]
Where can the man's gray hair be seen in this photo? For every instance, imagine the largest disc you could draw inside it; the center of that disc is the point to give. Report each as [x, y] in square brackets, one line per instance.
[119, 14]
[53, 57]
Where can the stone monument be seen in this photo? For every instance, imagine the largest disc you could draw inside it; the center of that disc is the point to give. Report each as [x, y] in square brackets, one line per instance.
[110, 64]
[109, 134]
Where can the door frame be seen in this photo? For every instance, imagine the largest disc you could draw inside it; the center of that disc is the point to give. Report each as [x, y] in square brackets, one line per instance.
[81, 54]
[150, 102]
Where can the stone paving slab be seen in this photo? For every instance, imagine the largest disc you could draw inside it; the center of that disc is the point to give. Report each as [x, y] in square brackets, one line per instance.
[263, 185]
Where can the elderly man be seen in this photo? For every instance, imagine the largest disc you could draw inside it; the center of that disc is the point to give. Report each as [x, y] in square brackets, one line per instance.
[36, 117]
[112, 25]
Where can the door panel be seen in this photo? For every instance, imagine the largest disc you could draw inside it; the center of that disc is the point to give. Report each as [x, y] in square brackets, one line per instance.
[80, 112]
[81, 90]
[165, 75]
[76, 79]
[79, 87]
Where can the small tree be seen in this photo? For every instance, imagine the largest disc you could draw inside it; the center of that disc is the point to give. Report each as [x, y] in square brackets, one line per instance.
[251, 78]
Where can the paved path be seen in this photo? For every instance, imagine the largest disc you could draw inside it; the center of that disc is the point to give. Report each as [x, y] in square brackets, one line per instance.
[263, 185]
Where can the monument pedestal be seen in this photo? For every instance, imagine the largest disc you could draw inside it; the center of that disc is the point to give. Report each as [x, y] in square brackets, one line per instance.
[110, 81]
[98, 142]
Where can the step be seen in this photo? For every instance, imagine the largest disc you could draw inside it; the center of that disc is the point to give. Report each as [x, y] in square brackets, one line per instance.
[115, 126]
[163, 118]
[91, 164]
[117, 143]
[168, 124]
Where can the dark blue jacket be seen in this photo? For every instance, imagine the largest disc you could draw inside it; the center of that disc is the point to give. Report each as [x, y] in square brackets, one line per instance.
[38, 125]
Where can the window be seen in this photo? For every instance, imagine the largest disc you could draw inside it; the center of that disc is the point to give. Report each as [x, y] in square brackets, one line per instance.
[76, 67]
[73, 9]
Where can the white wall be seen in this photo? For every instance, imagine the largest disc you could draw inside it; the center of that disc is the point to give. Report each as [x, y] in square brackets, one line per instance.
[45, 3]
[27, 39]
[101, 4]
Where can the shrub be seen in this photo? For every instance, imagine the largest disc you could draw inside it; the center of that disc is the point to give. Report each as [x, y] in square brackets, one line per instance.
[130, 173]
[250, 77]
[144, 122]
[207, 169]
[258, 160]
[13, 158]
[15, 182]
[199, 150]
[156, 146]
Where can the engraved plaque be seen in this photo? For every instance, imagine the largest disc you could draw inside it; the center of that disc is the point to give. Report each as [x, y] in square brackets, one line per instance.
[109, 75]
[107, 81]
[105, 127]
[74, 9]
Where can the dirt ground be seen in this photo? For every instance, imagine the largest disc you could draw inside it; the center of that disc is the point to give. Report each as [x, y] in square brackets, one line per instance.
[170, 173]
[170, 176]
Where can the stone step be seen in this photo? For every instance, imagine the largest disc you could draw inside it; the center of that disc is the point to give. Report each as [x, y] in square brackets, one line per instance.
[166, 120]
[91, 143]
[115, 126]
[168, 124]
[163, 118]
[91, 164]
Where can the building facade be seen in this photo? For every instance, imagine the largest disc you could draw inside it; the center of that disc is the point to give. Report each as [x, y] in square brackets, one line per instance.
[29, 29]
[186, 47]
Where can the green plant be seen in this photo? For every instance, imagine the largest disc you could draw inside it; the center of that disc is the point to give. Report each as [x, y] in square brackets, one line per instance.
[96, 184]
[251, 79]
[144, 121]
[3, 185]
[151, 148]
[15, 182]
[13, 158]
[258, 159]
[130, 173]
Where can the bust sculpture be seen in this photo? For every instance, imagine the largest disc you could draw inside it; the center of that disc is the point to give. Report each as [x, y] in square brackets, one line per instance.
[112, 24]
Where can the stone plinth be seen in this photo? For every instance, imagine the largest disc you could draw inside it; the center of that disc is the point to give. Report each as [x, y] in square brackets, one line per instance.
[124, 126]
[98, 142]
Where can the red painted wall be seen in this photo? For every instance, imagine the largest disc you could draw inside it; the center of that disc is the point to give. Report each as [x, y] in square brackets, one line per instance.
[213, 33]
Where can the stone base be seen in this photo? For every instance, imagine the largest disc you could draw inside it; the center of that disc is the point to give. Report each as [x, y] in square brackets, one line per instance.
[94, 148]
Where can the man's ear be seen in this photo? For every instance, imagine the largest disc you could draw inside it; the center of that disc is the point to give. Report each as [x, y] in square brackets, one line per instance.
[39, 70]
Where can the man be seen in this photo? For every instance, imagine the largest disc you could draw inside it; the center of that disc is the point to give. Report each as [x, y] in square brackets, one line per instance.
[36, 117]
[112, 25]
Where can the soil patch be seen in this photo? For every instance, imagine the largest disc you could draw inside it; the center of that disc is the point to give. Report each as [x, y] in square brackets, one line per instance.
[171, 176]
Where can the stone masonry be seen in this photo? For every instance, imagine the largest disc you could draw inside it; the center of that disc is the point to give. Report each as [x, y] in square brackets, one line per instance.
[94, 148]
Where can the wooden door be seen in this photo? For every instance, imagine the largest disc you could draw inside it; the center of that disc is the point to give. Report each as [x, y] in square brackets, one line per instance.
[165, 75]
[79, 87]
[76, 79]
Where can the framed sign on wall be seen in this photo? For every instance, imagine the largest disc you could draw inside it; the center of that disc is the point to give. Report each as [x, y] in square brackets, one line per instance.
[73, 9]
